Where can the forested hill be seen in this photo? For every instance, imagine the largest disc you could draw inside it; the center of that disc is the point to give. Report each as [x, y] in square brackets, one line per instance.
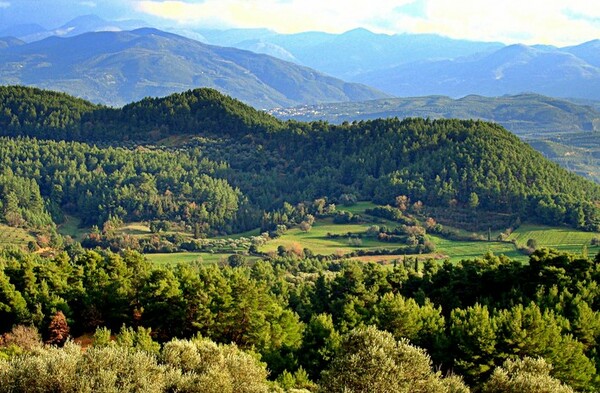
[41, 113]
[51, 115]
[452, 165]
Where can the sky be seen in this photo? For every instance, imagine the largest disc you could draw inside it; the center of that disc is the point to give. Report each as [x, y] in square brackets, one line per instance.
[551, 22]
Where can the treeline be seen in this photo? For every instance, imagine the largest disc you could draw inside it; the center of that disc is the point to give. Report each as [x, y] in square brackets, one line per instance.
[471, 318]
[51, 115]
[28, 111]
[449, 164]
[368, 360]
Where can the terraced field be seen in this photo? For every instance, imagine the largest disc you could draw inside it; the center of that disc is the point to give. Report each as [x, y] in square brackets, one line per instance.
[563, 239]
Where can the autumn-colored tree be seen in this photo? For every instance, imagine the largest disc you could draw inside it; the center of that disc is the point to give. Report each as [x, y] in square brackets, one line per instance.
[402, 202]
[417, 207]
[305, 226]
[430, 223]
[58, 330]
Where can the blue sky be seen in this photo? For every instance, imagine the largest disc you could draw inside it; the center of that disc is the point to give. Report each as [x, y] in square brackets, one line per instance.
[555, 22]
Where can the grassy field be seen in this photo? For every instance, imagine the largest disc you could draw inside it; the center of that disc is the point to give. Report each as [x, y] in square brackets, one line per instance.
[458, 250]
[317, 241]
[254, 232]
[71, 227]
[10, 236]
[357, 208]
[187, 257]
[563, 239]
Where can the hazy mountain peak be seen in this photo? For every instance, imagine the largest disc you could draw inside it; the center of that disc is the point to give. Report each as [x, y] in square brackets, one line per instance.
[360, 32]
[588, 44]
[118, 67]
[268, 48]
[517, 49]
[8, 42]
[84, 20]
[145, 31]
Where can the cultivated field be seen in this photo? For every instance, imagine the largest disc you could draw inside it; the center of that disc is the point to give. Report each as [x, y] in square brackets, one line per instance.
[318, 241]
[455, 250]
[189, 257]
[563, 239]
[10, 236]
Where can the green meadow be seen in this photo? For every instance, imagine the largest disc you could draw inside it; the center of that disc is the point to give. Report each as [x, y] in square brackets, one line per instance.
[10, 236]
[318, 241]
[563, 239]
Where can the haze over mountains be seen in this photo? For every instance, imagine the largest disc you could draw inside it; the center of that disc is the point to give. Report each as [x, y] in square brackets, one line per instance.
[510, 70]
[117, 67]
[524, 114]
[420, 64]
[404, 65]
[350, 54]
[83, 24]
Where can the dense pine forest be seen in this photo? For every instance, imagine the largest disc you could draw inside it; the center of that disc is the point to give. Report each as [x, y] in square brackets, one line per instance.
[255, 158]
[212, 167]
[342, 324]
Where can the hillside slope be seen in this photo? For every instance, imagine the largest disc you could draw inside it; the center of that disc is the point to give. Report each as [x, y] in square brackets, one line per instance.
[564, 131]
[460, 166]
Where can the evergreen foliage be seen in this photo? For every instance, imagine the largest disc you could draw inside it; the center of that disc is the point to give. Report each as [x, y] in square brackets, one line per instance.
[455, 165]
[485, 319]
[296, 318]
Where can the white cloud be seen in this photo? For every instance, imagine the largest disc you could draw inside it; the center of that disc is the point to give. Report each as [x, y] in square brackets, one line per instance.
[529, 21]
[557, 22]
[589, 9]
[284, 16]
[4, 4]
[90, 4]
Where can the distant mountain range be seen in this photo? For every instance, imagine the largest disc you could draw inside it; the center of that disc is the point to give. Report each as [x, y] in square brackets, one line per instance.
[567, 72]
[350, 54]
[80, 25]
[118, 67]
[410, 65]
[524, 114]
[405, 65]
